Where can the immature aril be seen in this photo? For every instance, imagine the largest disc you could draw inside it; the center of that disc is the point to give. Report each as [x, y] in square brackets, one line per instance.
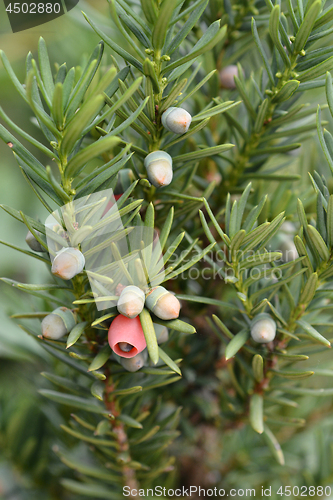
[162, 333]
[33, 243]
[159, 168]
[58, 323]
[263, 328]
[176, 120]
[163, 303]
[134, 364]
[131, 301]
[68, 263]
[126, 337]
[227, 77]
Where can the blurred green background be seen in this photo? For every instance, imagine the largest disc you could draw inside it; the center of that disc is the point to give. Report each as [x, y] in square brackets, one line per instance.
[68, 39]
[21, 359]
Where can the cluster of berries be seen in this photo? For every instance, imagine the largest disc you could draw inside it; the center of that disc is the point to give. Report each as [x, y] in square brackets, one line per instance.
[126, 337]
[159, 163]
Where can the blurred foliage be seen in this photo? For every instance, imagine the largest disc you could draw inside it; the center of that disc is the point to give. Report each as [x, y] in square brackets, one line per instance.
[215, 447]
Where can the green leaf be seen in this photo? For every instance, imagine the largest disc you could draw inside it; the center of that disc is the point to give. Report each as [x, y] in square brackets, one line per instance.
[275, 286]
[274, 24]
[316, 71]
[258, 367]
[203, 153]
[259, 234]
[101, 358]
[259, 259]
[325, 18]
[281, 401]
[262, 51]
[309, 290]
[89, 490]
[26, 252]
[135, 26]
[131, 422]
[82, 118]
[33, 288]
[57, 106]
[273, 445]
[150, 336]
[129, 122]
[83, 437]
[64, 383]
[313, 333]
[330, 222]
[190, 263]
[74, 401]
[101, 175]
[197, 87]
[175, 324]
[147, 435]
[150, 10]
[257, 413]
[322, 140]
[306, 27]
[254, 214]
[88, 470]
[318, 243]
[224, 329]
[293, 374]
[216, 110]
[19, 216]
[61, 193]
[236, 242]
[149, 71]
[307, 391]
[192, 131]
[26, 136]
[37, 108]
[97, 390]
[23, 153]
[92, 151]
[237, 342]
[45, 67]
[119, 17]
[168, 361]
[15, 81]
[173, 94]
[68, 87]
[286, 91]
[114, 46]
[162, 23]
[76, 333]
[187, 27]
[127, 391]
[211, 37]
[165, 231]
[276, 150]
[261, 116]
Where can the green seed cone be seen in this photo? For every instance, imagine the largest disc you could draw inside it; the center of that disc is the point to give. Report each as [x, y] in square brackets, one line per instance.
[263, 328]
[57, 324]
[163, 303]
[131, 301]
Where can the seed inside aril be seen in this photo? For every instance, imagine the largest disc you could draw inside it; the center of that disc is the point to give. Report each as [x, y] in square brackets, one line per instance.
[125, 347]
